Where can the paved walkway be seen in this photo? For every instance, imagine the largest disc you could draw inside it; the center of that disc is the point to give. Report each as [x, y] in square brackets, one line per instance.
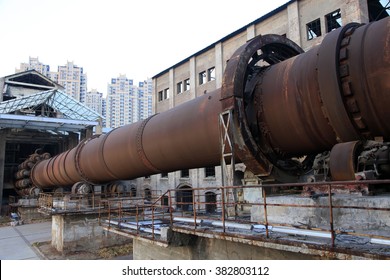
[16, 242]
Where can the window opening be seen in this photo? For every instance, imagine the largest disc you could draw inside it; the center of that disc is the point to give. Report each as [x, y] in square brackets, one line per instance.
[313, 29]
[179, 87]
[209, 172]
[211, 202]
[378, 9]
[185, 173]
[186, 84]
[333, 20]
[211, 74]
[202, 77]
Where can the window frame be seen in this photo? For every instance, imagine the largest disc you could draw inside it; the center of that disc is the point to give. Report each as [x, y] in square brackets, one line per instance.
[202, 76]
[187, 85]
[208, 173]
[179, 87]
[211, 74]
[311, 31]
[331, 19]
[185, 173]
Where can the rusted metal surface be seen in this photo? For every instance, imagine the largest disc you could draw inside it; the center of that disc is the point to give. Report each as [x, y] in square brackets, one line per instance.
[330, 92]
[241, 74]
[184, 137]
[342, 161]
[317, 102]
[287, 107]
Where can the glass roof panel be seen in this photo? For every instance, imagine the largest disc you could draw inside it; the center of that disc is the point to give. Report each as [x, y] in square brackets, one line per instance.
[69, 107]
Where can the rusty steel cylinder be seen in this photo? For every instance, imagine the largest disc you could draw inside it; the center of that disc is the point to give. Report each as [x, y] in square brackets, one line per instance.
[183, 137]
[336, 92]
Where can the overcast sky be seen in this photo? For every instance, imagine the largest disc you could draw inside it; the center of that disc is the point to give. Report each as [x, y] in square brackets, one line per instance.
[108, 38]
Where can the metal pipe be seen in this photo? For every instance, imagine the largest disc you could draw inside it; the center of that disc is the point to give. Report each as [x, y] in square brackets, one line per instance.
[297, 105]
[335, 92]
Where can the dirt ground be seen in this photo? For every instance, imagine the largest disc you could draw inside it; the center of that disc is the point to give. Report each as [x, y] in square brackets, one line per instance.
[124, 252]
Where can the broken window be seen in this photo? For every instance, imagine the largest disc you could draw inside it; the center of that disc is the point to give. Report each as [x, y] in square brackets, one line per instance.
[333, 20]
[179, 87]
[148, 194]
[166, 93]
[209, 172]
[211, 74]
[165, 200]
[378, 9]
[185, 173]
[186, 84]
[202, 77]
[313, 29]
[133, 192]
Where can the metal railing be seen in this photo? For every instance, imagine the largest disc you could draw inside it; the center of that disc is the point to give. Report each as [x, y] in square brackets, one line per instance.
[91, 202]
[66, 202]
[248, 212]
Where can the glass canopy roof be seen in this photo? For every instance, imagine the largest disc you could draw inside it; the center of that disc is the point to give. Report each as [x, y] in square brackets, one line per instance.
[52, 110]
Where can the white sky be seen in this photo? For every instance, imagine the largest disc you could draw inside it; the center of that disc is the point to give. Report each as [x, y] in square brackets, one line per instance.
[107, 38]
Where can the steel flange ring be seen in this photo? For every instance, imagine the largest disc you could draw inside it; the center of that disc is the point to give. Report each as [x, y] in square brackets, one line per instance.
[238, 84]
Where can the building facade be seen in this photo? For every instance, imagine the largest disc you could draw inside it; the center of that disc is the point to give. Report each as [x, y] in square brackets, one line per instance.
[34, 64]
[70, 76]
[145, 99]
[94, 100]
[305, 22]
[126, 102]
[74, 80]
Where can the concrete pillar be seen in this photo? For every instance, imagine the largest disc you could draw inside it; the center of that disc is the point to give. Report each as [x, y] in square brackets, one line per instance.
[218, 65]
[72, 140]
[57, 232]
[193, 77]
[294, 30]
[250, 32]
[99, 127]
[2, 88]
[172, 89]
[89, 132]
[83, 134]
[355, 11]
[2, 163]
[155, 95]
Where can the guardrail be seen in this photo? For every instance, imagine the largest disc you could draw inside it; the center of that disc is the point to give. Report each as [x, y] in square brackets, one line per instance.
[247, 211]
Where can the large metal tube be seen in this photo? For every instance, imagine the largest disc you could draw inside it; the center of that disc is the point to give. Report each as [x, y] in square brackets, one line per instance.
[184, 137]
[334, 93]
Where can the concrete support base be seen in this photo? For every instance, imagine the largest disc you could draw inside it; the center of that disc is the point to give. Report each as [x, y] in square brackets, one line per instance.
[352, 219]
[28, 210]
[82, 232]
[191, 247]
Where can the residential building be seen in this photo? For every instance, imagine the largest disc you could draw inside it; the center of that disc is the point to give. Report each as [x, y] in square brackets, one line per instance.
[74, 80]
[94, 100]
[127, 103]
[145, 99]
[34, 64]
[70, 76]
